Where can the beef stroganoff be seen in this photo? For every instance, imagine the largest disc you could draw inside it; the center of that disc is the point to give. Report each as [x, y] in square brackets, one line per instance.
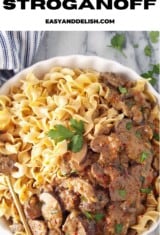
[80, 149]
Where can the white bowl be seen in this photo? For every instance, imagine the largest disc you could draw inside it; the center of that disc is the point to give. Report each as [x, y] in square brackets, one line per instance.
[79, 61]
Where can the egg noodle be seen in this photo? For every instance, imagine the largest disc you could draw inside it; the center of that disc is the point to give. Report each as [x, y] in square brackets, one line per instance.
[33, 107]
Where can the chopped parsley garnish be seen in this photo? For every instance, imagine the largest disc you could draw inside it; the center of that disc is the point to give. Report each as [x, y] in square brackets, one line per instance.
[118, 42]
[123, 90]
[156, 68]
[97, 217]
[145, 190]
[144, 156]
[88, 215]
[148, 51]
[138, 134]
[74, 134]
[122, 193]
[156, 136]
[118, 228]
[154, 36]
[150, 75]
[129, 125]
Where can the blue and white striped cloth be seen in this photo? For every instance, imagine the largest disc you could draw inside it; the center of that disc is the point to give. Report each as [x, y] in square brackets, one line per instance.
[17, 50]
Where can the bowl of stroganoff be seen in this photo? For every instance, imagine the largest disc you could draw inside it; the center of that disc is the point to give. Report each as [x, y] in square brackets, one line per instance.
[79, 150]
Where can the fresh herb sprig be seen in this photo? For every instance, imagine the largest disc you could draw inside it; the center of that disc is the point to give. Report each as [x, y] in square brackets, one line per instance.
[150, 75]
[118, 42]
[129, 126]
[154, 36]
[148, 51]
[74, 134]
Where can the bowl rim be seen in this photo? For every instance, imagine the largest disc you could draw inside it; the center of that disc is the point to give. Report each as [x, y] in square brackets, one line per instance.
[75, 60]
[97, 63]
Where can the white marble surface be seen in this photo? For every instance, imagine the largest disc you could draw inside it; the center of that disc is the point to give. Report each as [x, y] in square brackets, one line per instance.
[96, 43]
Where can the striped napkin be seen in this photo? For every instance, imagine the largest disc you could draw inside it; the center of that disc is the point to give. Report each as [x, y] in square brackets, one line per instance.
[17, 50]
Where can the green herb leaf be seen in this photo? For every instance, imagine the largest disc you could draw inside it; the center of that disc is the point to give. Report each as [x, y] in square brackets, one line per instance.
[60, 133]
[122, 193]
[76, 143]
[156, 136]
[144, 156]
[77, 125]
[98, 217]
[118, 42]
[148, 51]
[129, 125]
[152, 81]
[138, 134]
[88, 215]
[145, 190]
[149, 76]
[118, 228]
[123, 90]
[74, 137]
[154, 36]
[156, 68]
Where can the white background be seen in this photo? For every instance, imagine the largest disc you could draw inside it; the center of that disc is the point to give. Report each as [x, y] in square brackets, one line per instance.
[138, 19]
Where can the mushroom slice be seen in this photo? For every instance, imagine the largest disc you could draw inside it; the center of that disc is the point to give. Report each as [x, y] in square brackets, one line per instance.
[99, 144]
[51, 210]
[69, 199]
[38, 227]
[81, 187]
[32, 207]
[102, 198]
[80, 157]
[79, 160]
[75, 224]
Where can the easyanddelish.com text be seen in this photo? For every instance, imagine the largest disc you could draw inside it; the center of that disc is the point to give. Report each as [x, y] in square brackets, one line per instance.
[79, 21]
